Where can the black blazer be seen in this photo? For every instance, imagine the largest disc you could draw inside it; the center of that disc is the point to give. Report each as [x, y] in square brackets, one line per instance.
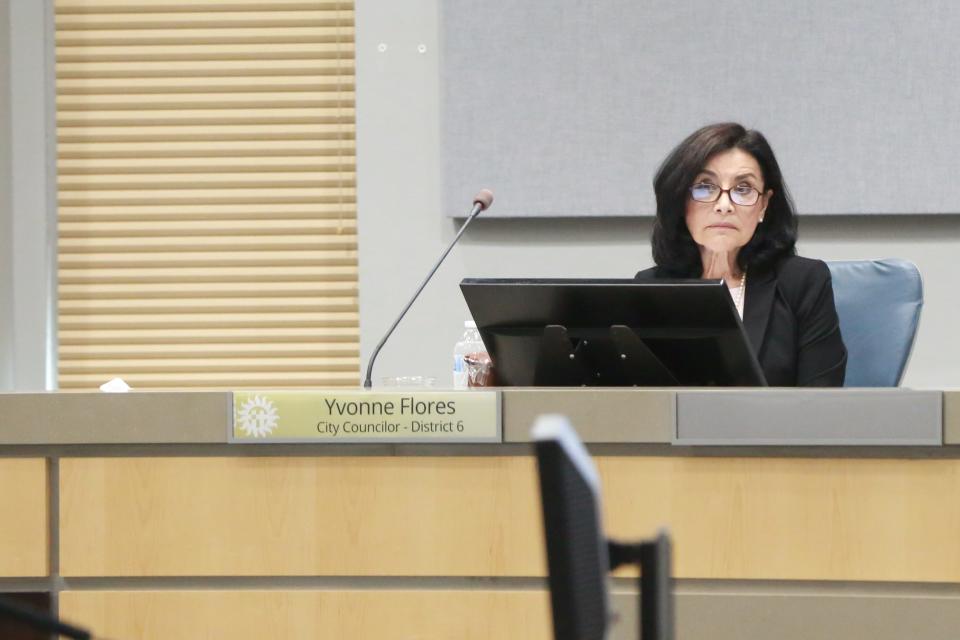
[791, 321]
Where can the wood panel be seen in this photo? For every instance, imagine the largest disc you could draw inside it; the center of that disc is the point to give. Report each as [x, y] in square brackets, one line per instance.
[23, 518]
[731, 518]
[793, 519]
[299, 516]
[424, 615]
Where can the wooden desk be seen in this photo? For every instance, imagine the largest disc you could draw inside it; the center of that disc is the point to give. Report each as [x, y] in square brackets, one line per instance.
[172, 532]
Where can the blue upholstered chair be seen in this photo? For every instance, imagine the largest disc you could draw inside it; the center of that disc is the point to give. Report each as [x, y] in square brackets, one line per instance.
[879, 304]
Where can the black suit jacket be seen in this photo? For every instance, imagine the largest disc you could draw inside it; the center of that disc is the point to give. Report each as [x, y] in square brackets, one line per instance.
[791, 321]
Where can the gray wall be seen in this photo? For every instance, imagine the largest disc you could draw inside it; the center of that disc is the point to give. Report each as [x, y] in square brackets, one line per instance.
[402, 229]
[567, 103]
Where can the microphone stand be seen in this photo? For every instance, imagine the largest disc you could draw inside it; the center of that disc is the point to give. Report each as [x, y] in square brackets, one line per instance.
[481, 202]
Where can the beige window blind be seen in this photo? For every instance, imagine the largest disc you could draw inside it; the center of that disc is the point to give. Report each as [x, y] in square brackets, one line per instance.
[206, 176]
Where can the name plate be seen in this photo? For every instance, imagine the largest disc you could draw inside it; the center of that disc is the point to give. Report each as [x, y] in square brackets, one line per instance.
[352, 416]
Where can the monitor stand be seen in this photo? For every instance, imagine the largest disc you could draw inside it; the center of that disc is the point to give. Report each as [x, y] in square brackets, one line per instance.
[563, 361]
[652, 558]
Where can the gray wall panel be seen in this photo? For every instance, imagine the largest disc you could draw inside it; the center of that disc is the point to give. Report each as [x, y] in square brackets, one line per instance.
[567, 108]
[809, 417]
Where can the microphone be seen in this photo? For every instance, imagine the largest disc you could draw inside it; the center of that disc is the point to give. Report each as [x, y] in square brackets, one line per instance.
[481, 202]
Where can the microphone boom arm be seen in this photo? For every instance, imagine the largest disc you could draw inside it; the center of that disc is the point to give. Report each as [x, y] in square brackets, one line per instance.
[478, 206]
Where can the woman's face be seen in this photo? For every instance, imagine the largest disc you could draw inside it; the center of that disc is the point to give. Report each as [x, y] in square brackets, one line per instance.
[724, 225]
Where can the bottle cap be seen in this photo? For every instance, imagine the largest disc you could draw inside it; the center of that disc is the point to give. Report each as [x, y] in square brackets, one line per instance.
[469, 324]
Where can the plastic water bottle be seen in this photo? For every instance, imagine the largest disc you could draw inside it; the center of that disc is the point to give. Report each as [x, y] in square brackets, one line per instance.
[469, 342]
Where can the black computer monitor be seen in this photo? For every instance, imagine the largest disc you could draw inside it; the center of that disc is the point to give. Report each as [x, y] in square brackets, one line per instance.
[579, 555]
[564, 332]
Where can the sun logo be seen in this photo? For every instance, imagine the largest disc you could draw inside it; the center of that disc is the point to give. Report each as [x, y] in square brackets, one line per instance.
[258, 417]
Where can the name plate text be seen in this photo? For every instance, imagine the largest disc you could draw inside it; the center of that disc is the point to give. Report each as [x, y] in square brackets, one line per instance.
[351, 416]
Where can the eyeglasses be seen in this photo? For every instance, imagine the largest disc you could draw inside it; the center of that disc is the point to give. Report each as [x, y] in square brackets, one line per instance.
[742, 194]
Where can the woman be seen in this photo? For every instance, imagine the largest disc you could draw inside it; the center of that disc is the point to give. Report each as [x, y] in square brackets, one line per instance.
[723, 211]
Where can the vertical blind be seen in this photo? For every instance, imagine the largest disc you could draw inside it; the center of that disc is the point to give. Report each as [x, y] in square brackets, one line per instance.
[206, 191]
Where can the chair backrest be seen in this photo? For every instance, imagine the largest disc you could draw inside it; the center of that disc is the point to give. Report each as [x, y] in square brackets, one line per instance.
[879, 304]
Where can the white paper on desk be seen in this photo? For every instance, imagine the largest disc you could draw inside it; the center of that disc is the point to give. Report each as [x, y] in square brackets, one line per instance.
[115, 385]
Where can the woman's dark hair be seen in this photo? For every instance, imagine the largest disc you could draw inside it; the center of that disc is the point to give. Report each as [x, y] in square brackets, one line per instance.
[674, 250]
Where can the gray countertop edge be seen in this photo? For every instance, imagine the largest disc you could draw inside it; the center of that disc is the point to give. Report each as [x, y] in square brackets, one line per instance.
[602, 416]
